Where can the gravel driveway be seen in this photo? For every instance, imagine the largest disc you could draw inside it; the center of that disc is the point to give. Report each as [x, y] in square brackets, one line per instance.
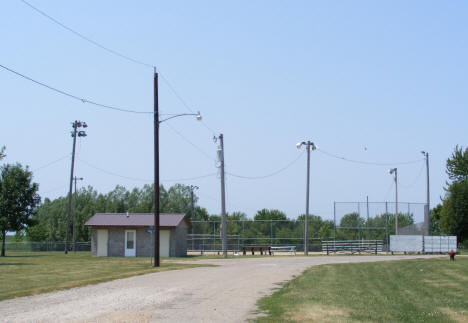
[226, 293]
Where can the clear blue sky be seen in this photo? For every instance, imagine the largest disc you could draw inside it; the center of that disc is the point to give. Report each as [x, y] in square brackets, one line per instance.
[373, 81]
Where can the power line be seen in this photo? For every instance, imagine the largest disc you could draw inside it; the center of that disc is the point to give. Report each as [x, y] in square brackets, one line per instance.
[271, 174]
[190, 142]
[367, 162]
[415, 179]
[142, 179]
[114, 52]
[52, 162]
[117, 53]
[184, 103]
[83, 100]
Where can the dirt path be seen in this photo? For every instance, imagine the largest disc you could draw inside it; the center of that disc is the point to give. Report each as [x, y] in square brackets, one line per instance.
[226, 293]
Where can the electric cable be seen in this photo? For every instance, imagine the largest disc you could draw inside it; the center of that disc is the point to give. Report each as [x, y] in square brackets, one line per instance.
[271, 174]
[367, 162]
[117, 53]
[51, 163]
[415, 179]
[83, 100]
[136, 61]
[142, 179]
[190, 142]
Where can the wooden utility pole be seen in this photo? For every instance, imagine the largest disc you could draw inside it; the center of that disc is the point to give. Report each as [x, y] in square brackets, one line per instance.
[156, 173]
[223, 195]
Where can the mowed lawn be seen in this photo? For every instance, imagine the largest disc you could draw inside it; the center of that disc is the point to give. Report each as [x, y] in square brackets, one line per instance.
[29, 273]
[423, 290]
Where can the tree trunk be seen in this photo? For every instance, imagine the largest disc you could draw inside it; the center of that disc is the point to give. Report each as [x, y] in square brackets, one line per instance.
[3, 242]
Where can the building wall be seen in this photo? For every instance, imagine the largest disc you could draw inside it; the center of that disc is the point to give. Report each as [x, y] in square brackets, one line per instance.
[179, 240]
[116, 242]
[144, 246]
[116, 245]
[93, 242]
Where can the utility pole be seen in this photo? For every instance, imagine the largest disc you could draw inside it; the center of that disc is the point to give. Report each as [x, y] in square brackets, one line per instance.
[192, 188]
[156, 164]
[74, 134]
[427, 214]
[74, 214]
[223, 195]
[156, 172]
[309, 146]
[394, 170]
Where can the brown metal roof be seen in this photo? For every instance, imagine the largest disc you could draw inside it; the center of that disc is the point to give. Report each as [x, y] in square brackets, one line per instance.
[135, 219]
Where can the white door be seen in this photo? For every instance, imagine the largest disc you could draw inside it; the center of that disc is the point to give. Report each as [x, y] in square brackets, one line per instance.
[164, 245]
[130, 243]
[102, 239]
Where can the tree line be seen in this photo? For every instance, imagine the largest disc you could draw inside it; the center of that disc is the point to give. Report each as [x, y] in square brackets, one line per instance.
[21, 210]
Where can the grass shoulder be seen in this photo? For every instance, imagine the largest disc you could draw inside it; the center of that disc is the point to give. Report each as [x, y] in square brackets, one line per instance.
[421, 290]
[30, 273]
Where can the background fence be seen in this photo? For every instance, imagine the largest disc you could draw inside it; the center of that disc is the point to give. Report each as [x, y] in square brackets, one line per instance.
[206, 235]
[46, 246]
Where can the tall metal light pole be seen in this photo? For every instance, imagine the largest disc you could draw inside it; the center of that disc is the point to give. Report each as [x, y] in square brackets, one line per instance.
[156, 164]
[74, 134]
[427, 214]
[309, 146]
[394, 171]
[192, 188]
[74, 213]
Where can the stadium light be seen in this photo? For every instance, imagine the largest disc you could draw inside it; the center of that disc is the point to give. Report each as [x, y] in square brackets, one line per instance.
[309, 146]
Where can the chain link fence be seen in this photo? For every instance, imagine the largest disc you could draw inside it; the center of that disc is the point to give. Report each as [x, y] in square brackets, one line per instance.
[27, 246]
[205, 236]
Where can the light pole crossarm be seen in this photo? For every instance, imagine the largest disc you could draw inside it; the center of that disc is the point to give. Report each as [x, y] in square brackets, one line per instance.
[181, 115]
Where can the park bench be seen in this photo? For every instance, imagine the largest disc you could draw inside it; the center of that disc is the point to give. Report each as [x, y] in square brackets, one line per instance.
[291, 249]
[263, 248]
[352, 246]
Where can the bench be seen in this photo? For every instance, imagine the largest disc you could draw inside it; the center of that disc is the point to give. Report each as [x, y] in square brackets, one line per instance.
[352, 246]
[291, 249]
[262, 249]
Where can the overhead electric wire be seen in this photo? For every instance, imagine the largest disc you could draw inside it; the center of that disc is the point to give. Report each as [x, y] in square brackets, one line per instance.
[184, 103]
[83, 100]
[190, 142]
[54, 189]
[51, 163]
[136, 61]
[271, 174]
[367, 162]
[142, 179]
[415, 179]
[117, 53]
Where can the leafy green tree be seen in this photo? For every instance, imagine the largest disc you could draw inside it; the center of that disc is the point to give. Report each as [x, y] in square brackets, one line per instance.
[435, 220]
[2, 152]
[37, 232]
[265, 214]
[18, 199]
[454, 213]
[457, 165]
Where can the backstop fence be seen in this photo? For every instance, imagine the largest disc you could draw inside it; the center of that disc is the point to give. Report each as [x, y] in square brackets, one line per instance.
[27, 246]
[351, 221]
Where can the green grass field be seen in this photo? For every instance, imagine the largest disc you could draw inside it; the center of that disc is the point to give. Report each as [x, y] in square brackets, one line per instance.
[29, 273]
[424, 290]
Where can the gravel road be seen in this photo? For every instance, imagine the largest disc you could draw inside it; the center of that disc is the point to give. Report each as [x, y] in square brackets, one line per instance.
[226, 293]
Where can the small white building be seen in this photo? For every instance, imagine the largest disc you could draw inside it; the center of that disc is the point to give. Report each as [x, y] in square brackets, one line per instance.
[130, 235]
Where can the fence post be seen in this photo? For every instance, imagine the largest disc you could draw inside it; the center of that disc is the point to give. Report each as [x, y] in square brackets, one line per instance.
[386, 224]
[271, 231]
[334, 221]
